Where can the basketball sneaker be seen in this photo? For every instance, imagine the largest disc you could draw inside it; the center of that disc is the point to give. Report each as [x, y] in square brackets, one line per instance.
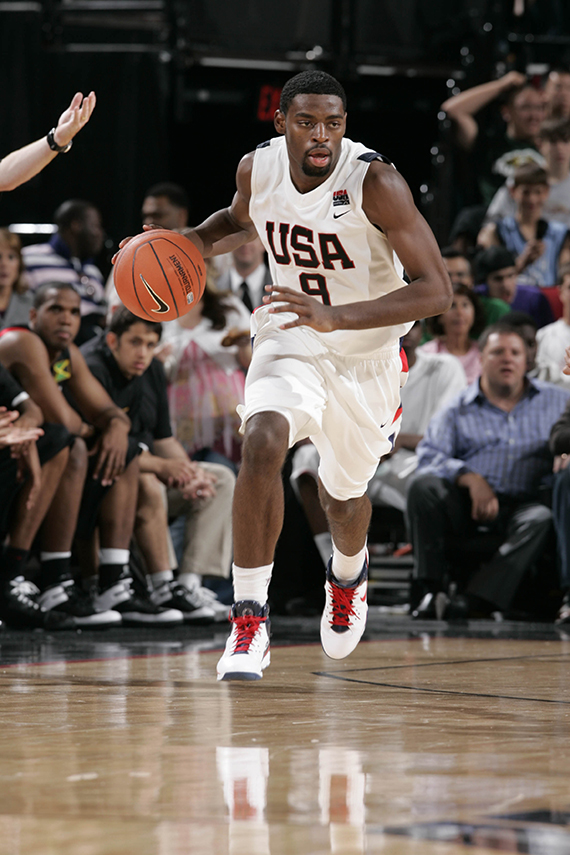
[173, 595]
[20, 608]
[247, 648]
[135, 607]
[68, 598]
[204, 597]
[344, 617]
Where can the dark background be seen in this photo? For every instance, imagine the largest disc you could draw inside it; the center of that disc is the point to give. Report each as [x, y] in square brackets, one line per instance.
[186, 87]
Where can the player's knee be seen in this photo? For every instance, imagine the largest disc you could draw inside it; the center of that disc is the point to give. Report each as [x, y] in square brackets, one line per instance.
[266, 441]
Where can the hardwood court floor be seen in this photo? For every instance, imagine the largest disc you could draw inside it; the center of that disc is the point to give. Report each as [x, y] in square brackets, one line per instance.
[440, 742]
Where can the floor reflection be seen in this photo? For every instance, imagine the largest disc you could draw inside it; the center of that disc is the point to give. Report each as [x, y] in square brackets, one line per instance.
[533, 841]
[139, 736]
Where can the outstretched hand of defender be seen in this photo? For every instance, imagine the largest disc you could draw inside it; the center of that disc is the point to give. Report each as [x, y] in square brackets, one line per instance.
[310, 311]
[74, 118]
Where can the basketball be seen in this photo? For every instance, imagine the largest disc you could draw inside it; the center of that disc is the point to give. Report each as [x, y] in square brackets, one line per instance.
[159, 275]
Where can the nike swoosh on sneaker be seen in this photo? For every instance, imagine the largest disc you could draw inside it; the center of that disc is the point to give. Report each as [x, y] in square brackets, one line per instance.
[162, 306]
[336, 216]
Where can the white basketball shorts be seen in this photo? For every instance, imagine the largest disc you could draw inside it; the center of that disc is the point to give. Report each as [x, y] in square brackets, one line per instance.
[348, 406]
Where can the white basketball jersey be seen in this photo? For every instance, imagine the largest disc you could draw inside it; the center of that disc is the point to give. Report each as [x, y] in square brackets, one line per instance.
[322, 243]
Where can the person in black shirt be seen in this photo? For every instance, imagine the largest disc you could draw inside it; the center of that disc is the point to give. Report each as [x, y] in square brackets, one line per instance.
[46, 362]
[32, 461]
[123, 362]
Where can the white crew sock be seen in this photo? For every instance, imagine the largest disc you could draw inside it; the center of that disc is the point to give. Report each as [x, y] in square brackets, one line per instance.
[347, 568]
[323, 542]
[252, 583]
[107, 555]
[158, 579]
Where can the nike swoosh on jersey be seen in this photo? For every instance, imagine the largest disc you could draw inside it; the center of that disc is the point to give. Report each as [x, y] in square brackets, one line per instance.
[336, 216]
[162, 306]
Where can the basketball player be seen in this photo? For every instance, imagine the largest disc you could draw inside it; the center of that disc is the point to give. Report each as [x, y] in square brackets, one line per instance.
[21, 165]
[336, 220]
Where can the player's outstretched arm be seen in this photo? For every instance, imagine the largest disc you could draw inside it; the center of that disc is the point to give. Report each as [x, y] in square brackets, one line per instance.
[21, 165]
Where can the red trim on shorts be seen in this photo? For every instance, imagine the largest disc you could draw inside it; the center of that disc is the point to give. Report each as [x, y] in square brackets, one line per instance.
[398, 414]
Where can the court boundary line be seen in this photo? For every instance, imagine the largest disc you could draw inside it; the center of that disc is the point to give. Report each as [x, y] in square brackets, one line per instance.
[337, 676]
[461, 661]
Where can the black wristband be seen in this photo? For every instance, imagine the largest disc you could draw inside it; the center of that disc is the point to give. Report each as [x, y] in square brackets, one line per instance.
[61, 149]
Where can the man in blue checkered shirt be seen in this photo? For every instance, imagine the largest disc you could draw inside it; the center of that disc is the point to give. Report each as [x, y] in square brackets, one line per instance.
[482, 463]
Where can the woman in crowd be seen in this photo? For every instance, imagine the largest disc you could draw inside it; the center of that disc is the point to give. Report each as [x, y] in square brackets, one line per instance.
[15, 299]
[455, 331]
[208, 352]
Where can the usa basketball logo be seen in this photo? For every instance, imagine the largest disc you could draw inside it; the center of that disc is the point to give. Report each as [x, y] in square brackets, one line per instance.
[340, 197]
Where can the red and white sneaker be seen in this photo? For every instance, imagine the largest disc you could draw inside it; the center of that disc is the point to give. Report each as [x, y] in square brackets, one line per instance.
[247, 648]
[344, 617]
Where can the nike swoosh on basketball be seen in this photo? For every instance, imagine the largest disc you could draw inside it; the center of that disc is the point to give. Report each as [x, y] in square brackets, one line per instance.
[162, 306]
[336, 216]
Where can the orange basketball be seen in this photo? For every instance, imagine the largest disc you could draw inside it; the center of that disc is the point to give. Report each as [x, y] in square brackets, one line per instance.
[159, 275]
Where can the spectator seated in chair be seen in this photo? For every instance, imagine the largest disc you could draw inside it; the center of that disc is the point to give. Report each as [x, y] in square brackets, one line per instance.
[169, 483]
[482, 462]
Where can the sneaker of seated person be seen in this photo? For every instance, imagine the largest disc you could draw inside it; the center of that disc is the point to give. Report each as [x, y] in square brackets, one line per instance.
[20, 608]
[425, 609]
[68, 598]
[462, 607]
[344, 617]
[205, 597]
[221, 610]
[135, 607]
[423, 597]
[172, 595]
[247, 649]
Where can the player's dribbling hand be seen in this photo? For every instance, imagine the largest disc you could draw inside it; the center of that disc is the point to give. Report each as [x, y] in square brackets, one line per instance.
[75, 117]
[148, 227]
[310, 312]
[566, 369]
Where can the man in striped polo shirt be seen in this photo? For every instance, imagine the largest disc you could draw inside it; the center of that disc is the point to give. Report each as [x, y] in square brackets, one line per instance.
[68, 258]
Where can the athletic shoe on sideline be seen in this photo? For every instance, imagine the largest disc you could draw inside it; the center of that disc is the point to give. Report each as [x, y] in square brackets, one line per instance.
[69, 599]
[20, 608]
[205, 598]
[247, 648]
[344, 617]
[172, 595]
[136, 608]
